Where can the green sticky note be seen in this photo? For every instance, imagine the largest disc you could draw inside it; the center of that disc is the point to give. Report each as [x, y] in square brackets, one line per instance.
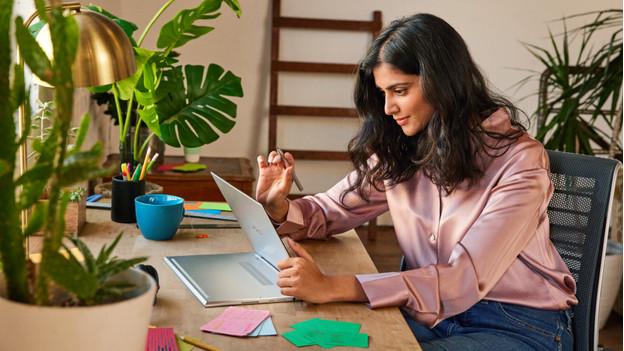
[298, 338]
[183, 346]
[327, 334]
[328, 325]
[221, 206]
[327, 340]
[189, 167]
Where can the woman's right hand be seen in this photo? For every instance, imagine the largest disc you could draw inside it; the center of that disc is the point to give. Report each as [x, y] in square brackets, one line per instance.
[274, 184]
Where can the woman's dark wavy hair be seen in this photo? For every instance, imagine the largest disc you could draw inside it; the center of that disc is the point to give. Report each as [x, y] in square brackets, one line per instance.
[452, 83]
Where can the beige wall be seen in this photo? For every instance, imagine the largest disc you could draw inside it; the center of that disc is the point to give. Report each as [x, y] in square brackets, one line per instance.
[493, 31]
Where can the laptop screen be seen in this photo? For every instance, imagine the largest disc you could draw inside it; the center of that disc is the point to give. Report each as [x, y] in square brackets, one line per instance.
[254, 221]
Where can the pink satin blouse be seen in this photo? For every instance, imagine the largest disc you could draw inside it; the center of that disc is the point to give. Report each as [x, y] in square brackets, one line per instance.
[486, 241]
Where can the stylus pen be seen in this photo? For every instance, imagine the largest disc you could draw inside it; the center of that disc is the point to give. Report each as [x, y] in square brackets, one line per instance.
[299, 186]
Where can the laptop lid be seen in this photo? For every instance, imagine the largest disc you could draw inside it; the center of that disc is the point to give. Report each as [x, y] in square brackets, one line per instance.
[254, 221]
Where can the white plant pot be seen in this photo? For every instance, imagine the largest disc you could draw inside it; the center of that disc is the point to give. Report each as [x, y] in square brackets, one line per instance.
[116, 326]
[611, 285]
[192, 154]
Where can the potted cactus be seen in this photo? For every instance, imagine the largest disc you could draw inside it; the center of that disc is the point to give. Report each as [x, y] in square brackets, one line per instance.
[75, 289]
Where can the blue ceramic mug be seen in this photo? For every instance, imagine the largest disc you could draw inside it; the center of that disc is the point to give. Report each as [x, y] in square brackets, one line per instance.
[159, 215]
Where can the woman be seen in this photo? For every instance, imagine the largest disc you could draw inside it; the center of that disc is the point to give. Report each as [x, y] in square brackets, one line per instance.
[467, 189]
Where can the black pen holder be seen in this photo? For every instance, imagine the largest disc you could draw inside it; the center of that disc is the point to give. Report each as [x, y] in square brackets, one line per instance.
[122, 199]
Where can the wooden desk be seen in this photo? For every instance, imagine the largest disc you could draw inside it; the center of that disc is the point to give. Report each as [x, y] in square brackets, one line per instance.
[199, 186]
[179, 309]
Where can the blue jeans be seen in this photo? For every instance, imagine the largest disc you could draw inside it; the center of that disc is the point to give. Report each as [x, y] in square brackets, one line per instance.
[490, 325]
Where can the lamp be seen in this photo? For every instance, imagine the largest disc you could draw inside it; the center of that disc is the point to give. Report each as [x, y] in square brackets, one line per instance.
[104, 56]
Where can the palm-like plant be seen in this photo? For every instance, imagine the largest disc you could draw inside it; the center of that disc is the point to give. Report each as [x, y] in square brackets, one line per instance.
[580, 97]
[181, 105]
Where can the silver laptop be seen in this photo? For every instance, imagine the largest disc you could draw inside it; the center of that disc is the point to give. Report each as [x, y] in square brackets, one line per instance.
[236, 278]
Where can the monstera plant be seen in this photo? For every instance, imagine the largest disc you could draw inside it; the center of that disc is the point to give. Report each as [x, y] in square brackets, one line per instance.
[182, 105]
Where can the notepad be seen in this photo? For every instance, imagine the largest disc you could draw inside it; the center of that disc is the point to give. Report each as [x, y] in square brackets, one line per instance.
[236, 321]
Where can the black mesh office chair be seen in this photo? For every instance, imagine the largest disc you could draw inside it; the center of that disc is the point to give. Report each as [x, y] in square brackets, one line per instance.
[579, 221]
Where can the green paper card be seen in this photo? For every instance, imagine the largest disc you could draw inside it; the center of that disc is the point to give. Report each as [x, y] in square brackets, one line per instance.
[327, 334]
[298, 338]
[190, 167]
[221, 206]
[328, 325]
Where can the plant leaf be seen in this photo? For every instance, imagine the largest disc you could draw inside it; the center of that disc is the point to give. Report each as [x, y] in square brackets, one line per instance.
[185, 114]
[69, 274]
[182, 28]
[36, 219]
[32, 53]
[82, 133]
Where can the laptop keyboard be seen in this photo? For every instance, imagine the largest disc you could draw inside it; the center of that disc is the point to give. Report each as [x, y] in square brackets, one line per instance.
[261, 278]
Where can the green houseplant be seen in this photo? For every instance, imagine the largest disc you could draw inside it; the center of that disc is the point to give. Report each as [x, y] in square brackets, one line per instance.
[182, 105]
[580, 103]
[57, 167]
[101, 287]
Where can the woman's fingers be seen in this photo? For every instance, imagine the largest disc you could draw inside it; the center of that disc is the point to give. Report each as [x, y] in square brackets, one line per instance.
[298, 249]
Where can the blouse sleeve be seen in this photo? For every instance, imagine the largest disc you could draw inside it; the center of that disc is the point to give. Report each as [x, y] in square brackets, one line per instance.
[324, 214]
[514, 208]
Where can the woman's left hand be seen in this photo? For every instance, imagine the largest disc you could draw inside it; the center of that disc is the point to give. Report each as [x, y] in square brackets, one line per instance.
[300, 277]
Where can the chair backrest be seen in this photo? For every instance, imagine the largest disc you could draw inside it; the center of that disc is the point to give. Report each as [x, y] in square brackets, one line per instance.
[579, 214]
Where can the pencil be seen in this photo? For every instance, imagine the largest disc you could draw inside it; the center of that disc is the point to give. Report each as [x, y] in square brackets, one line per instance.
[147, 155]
[199, 344]
[151, 162]
[299, 186]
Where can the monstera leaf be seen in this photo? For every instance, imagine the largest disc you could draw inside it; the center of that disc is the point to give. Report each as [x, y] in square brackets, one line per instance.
[190, 106]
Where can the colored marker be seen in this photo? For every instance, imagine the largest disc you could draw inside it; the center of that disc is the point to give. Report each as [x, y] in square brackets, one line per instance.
[137, 172]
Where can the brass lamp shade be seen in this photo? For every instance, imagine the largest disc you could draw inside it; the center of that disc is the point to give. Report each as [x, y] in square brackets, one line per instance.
[105, 54]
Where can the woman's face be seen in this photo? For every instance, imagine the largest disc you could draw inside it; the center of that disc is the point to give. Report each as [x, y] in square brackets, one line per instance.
[404, 100]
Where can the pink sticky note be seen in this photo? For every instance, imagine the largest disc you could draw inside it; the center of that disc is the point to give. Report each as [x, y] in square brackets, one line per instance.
[236, 321]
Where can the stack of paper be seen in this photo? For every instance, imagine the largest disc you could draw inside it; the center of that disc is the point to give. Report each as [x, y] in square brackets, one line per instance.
[207, 207]
[326, 333]
[238, 321]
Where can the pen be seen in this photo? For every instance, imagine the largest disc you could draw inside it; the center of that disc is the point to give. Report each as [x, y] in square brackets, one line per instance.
[199, 344]
[299, 186]
[125, 175]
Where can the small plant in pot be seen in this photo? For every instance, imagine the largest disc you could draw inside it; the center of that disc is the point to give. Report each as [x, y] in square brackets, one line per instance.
[31, 291]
